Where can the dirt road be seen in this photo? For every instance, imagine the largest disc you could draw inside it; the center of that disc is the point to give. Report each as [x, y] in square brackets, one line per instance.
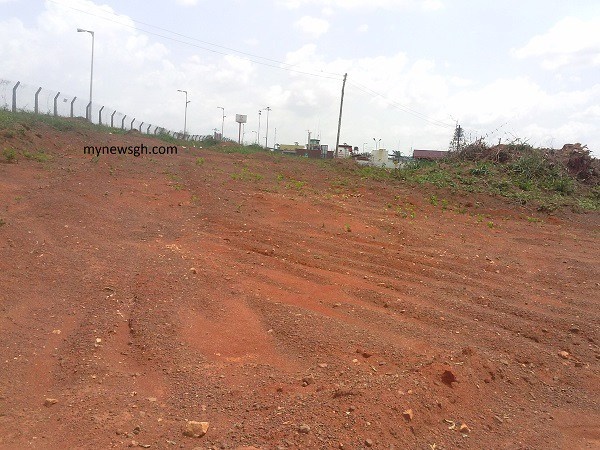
[287, 303]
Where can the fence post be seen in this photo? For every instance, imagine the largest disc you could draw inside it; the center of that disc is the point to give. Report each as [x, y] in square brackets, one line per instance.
[123, 122]
[37, 93]
[100, 116]
[72, 101]
[142, 123]
[112, 116]
[148, 130]
[14, 105]
[55, 104]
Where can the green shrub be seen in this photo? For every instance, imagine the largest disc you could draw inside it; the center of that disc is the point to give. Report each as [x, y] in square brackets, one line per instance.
[10, 155]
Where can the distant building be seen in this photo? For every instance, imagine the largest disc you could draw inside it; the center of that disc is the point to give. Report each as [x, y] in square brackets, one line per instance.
[379, 157]
[313, 150]
[344, 151]
[429, 154]
[290, 149]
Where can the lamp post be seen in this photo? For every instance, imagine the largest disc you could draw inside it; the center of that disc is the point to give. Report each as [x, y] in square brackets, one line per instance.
[267, 109]
[377, 143]
[185, 113]
[88, 110]
[258, 134]
[222, 120]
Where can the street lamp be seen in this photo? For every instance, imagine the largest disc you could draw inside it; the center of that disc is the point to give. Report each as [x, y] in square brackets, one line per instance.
[88, 110]
[185, 114]
[258, 134]
[222, 120]
[377, 143]
[267, 109]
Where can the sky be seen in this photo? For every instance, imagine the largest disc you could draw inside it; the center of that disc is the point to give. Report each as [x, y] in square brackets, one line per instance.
[524, 71]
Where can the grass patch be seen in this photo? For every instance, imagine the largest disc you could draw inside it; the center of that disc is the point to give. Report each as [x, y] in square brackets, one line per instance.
[295, 184]
[39, 156]
[10, 155]
[246, 175]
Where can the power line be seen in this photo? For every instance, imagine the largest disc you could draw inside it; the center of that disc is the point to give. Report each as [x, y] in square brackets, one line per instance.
[248, 56]
[253, 59]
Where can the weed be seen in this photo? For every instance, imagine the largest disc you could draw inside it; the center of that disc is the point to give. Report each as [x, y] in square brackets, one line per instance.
[95, 159]
[10, 155]
[533, 220]
[295, 184]
[480, 170]
[40, 156]
[490, 224]
[444, 204]
[433, 200]
[246, 175]
[199, 161]
[172, 176]
[347, 228]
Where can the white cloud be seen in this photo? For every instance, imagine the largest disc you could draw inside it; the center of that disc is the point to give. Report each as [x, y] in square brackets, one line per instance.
[187, 2]
[139, 75]
[571, 42]
[426, 5]
[363, 28]
[502, 99]
[312, 26]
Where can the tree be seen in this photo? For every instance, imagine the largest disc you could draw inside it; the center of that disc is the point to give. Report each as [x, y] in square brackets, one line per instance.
[458, 140]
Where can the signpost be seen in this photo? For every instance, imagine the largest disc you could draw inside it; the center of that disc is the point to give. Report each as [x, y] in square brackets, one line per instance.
[240, 119]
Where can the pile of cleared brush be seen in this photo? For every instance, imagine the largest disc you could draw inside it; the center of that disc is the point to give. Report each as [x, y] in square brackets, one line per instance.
[572, 159]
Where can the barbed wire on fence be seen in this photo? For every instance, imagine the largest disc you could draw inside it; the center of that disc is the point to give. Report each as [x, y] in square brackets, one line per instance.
[17, 96]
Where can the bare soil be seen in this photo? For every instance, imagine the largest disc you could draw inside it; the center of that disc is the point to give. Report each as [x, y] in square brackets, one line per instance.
[288, 304]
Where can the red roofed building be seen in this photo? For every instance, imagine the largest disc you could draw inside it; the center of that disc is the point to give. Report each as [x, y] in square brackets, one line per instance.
[429, 154]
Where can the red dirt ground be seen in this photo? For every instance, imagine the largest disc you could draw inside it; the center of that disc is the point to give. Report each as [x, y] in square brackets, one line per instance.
[265, 294]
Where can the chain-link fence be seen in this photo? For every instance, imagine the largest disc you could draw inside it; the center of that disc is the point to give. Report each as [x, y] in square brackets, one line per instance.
[17, 96]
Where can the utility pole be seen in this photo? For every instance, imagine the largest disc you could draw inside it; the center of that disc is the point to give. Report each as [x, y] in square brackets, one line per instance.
[258, 134]
[267, 109]
[222, 120]
[185, 113]
[88, 110]
[308, 142]
[337, 141]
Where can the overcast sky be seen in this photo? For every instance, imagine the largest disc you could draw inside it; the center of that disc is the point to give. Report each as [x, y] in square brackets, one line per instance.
[507, 69]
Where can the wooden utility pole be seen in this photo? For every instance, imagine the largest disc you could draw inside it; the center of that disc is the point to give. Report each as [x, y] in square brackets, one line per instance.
[337, 141]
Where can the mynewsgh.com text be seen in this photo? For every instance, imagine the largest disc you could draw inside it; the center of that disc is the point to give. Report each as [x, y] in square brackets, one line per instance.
[134, 150]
